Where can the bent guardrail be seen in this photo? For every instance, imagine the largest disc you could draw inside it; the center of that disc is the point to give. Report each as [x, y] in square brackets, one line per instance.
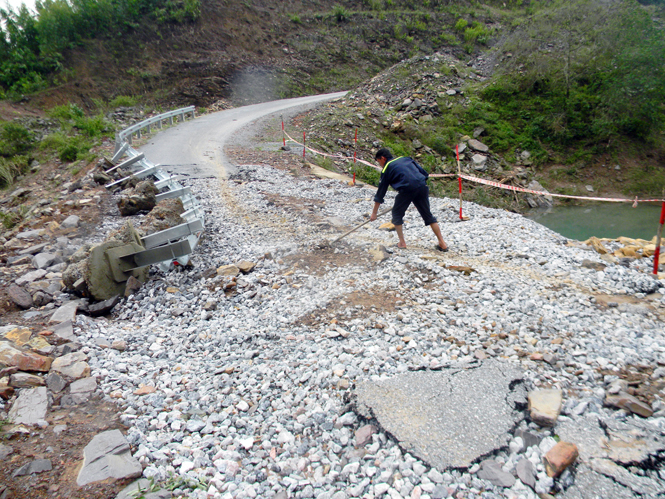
[171, 246]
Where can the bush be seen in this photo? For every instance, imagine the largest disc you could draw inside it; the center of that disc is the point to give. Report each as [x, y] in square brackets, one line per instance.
[68, 153]
[461, 24]
[123, 101]
[14, 139]
[340, 14]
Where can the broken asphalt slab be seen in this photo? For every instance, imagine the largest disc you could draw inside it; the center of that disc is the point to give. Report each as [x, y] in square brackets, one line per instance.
[448, 418]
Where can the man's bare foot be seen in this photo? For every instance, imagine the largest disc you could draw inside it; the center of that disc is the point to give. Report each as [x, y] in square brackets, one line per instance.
[400, 245]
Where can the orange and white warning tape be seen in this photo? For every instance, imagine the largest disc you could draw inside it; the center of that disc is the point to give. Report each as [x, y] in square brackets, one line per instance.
[487, 182]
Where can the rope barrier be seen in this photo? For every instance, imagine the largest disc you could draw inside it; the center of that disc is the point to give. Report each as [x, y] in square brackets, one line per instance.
[479, 180]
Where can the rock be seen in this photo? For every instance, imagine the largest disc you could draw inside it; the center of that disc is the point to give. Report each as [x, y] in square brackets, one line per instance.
[66, 312]
[590, 264]
[43, 260]
[18, 336]
[491, 471]
[389, 226]
[245, 266]
[71, 366]
[30, 407]
[25, 380]
[36, 466]
[19, 296]
[30, 277]
[141, 199]
[103, 307]
[542, 202]
[545, 406]
[5, 451]
[6, 391]
[595, 243]
[479, 162]
[145, 390]
[120, 345]
[379, 254]
[132, 286]
[626, 401]
[85, 385]
[448, 405]
[526, 472]
[364, 435]
[70, 222]
[55, 382]
[25, 361]
[228, 270]
[108, 456]
[63, 332]
[559, 457]
[39, 345]
[589, 188]
[476, 145]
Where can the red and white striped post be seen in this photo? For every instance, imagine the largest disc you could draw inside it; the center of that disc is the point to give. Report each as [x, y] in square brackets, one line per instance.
[459, 178]
[303, 145]
[656, 255]
[283, 137]
[355, 148]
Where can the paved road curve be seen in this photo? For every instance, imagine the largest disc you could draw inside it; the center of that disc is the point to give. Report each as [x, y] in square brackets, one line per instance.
[196, 147]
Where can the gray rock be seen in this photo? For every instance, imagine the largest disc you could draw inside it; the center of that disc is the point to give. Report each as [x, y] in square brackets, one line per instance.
[55, 382]
[36, 466]
[526, 472]
[538, 201]
[85, 385]
[108, 456]
[66, 312]
[5, 451]
[63, 332]
[476, 145]
[491, 471]
[103, 307]
[43, 260]
[19, 296]
[70, 222]
[30, 407]
[441, 416]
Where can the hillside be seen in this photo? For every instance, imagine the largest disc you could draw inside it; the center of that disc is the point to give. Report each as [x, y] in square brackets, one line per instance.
[569, 93]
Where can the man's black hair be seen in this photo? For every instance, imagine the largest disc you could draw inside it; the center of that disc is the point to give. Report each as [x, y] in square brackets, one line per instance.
[384, 152]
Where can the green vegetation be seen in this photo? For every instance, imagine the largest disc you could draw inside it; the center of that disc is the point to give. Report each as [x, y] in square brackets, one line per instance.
[31, 47]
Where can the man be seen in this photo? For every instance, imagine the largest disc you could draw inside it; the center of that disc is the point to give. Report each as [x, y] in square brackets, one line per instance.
[410, 181]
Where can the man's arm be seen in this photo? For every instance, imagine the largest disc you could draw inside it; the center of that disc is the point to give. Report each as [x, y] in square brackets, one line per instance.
[382, 189]
[374, 211]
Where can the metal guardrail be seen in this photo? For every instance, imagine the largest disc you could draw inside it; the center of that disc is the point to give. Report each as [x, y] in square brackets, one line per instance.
[126, 135]
[171, 246]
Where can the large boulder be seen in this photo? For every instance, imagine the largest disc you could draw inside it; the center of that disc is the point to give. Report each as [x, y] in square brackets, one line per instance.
[141, 199]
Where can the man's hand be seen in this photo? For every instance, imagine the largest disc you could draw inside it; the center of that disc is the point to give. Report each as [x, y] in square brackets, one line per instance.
[375, 211]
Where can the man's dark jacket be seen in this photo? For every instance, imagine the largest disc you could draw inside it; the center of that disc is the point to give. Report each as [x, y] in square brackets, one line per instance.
[403, 174]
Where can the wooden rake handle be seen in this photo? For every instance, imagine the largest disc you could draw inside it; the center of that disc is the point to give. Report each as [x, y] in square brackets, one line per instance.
[358, 227]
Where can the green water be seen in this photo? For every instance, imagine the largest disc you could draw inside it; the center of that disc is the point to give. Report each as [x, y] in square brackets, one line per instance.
[610, 220]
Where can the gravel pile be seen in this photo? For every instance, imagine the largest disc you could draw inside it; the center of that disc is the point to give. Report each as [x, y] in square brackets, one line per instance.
[240, 396]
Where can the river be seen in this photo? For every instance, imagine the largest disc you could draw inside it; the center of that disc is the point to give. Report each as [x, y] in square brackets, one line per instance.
[609, 220]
